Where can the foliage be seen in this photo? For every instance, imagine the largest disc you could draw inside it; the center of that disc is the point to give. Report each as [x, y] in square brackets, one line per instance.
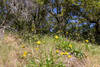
[45, 16]
[70, 47]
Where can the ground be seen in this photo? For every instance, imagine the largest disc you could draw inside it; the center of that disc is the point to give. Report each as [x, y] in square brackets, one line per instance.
[16, 53]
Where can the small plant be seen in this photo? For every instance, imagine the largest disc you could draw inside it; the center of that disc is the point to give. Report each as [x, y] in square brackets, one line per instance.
[67, 46]
[78, 53]
[49, 59]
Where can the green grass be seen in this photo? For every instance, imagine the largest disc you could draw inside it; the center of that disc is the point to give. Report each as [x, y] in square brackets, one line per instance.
[50, 52]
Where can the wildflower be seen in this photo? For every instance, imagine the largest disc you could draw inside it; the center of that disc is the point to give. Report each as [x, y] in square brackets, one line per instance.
[56, 37]
[57, 51]
[66, 53]
[36, 49]
[66, 32]
[25, 54]
[62, 53]
[86, 41]
[70, 45]
[69, 56]
[38, 42]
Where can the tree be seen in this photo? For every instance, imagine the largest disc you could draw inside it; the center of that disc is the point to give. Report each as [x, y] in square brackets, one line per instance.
[41, 16]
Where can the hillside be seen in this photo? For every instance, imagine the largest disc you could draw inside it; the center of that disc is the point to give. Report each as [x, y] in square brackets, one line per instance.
[47, 51]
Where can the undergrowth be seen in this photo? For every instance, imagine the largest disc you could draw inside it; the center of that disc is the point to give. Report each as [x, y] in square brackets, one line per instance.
[44, 51]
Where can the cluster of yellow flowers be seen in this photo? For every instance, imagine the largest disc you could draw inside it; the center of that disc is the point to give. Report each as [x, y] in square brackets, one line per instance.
[64, 53]
[57, 51]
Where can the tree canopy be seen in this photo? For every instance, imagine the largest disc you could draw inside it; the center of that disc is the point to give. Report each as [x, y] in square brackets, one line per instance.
[71, 18]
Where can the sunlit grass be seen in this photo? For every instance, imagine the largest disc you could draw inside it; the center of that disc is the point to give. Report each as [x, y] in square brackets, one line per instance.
[47, 51]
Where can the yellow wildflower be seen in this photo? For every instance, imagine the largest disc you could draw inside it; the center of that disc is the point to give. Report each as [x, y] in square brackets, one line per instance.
[70, 45]
[25, 54]
[57, 51]
[66, 53]
[36, 49]
[69, 56]
[86, 41]
[66, 32]
[38, 42]
[62, 53]
[56, 37]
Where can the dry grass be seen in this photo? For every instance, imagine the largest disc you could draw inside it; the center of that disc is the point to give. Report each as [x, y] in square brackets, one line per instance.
[94, 57]
[11, 52]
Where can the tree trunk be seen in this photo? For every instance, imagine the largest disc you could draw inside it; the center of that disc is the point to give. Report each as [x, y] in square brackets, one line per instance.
[97, 33]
